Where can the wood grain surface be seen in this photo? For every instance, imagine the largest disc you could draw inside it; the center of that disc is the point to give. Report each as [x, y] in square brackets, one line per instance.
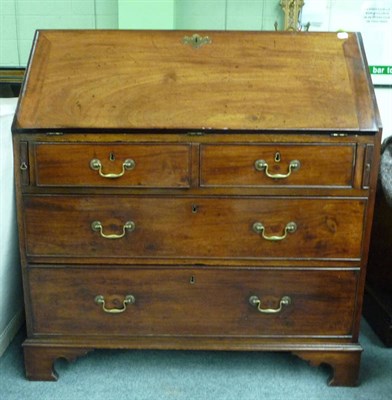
[152, 80]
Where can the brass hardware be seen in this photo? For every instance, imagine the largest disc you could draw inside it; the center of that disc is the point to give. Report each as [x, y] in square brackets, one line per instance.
[196, 133]
[292, 10]
[129, 299]
[96, 165]
[339, 134]
[195, 208]
[258, 227]
[256, 302]
[196, 40]
[112, 156]
[262, 165]
[192, 280]
[128, 226]
[368, 159]
[54, 133]
[277, 157]
[23, 166]
[10, 75]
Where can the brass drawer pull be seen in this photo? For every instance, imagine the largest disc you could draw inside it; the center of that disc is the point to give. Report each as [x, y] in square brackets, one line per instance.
[96, 165]
[100, 300]
[128, 226]
[256, 302]
[262, 165]
[258, 227]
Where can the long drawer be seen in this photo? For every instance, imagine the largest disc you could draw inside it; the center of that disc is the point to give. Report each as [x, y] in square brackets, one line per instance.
[113, 165]
[219, 228]
[192, 302]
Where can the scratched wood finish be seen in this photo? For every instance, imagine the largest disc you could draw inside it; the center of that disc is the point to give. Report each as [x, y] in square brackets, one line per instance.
[242, 80]
[195, 120]
[193, 227]
[159, 165]
[234, 165]
[192, 302]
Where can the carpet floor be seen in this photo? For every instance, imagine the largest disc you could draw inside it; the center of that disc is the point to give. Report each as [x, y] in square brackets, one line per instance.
[195, 375]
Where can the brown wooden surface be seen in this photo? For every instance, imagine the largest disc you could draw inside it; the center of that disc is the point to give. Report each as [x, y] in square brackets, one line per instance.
[165, 165]
[155, 165]
[234, 165]
[344, 364]
[39, 361]
[192, 302]
[150, 79]
[41, 353]
[195, 121]
[193, 227]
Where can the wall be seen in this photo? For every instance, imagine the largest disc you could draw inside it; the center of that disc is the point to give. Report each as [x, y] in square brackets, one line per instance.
[228, 14]
[20, 18]
[146, 14]
[199, 14]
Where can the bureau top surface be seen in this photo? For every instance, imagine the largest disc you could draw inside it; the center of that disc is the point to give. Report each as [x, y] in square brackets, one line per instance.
[169, 80]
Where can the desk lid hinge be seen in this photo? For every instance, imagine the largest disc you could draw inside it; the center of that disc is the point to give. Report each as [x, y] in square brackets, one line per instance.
[53, 133]
[339, 134]
[198, 133]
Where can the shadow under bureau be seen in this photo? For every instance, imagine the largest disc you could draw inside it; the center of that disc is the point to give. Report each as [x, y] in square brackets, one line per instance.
[181, 190]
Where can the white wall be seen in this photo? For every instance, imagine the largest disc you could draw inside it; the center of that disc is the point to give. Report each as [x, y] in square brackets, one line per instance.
[20, 18]
[146, 14]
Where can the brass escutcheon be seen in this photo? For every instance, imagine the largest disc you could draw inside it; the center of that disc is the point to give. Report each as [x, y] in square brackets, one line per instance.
[196, 40]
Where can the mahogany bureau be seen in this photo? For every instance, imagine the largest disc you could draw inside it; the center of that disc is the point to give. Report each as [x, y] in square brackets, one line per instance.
[181, 190]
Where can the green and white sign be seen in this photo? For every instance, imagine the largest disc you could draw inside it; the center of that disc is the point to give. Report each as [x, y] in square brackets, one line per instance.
[380, 69]
[372, 18]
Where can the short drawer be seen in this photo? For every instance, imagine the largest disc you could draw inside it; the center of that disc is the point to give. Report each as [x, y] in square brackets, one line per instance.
[193, 302]
[114, 165]
[193, 228]
[309, 165]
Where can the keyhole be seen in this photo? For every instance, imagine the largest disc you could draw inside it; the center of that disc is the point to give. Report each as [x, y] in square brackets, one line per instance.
[111, 156]
[192, 280]
[277, 156]
[194, 208]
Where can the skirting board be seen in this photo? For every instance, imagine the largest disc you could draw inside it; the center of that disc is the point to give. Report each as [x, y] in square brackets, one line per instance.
[10, 331]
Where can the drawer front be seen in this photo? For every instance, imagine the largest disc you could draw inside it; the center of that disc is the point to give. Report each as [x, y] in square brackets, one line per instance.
[189, 228]
[310, 165]
[192, 302]
[115, 165]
